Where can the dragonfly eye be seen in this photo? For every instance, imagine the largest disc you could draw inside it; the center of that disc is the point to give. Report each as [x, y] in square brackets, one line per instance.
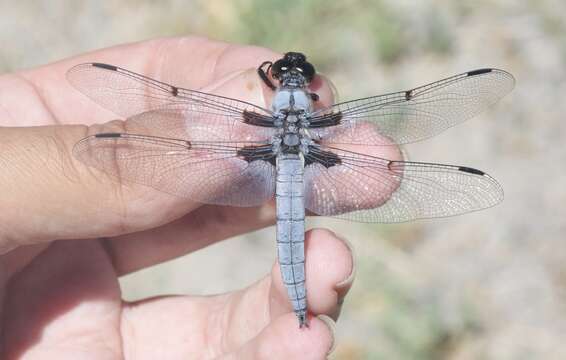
[279, 67]
[284, 65]
[295, 57]
[307, 70]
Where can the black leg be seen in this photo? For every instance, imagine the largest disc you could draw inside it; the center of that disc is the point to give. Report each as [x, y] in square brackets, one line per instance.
[263, 74]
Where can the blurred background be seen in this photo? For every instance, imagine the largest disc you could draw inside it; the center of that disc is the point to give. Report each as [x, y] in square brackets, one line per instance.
[487, 285]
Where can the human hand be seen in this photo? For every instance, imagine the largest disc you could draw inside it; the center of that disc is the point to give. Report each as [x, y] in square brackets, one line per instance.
[61, 299]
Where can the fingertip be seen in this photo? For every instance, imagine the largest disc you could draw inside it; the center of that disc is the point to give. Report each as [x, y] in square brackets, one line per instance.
[325, 89]
[331, 325]
[283, 339]
[330, 272]
[348, 280]
[330, 253]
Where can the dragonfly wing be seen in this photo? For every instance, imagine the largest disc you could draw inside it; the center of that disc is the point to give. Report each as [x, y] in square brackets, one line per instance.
[179, 122]
[412, 115]
[364, 188]
[127, 93]
[207, 171]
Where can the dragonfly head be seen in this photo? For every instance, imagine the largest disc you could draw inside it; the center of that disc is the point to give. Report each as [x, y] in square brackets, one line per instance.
[293, 70]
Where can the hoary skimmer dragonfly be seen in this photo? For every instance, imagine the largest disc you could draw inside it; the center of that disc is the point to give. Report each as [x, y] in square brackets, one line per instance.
[219, 150]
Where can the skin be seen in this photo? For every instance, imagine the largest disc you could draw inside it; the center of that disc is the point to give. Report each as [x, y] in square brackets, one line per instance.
[68, 232]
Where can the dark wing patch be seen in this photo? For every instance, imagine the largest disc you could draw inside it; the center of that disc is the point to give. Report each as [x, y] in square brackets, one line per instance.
[253, 118]
[319, 156]
[325, 120]
[254, 153]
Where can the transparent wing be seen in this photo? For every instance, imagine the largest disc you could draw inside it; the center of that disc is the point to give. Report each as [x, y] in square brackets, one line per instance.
[213, 172]
[178, 122]
[370, 189]
[127, 93]
[412, 115]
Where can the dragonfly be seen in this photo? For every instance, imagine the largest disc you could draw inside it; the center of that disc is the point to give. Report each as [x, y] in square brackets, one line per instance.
[311, 159]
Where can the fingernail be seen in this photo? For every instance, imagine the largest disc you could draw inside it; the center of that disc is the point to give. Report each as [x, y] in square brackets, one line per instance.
[332, 327]
[343, 286]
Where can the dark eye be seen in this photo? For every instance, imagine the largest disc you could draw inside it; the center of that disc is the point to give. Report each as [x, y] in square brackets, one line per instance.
[278, 67]
[308, 71]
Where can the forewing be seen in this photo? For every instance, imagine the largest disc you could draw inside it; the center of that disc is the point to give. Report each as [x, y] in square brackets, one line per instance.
[206, 171]
[370, 189]
[412, 115]
[127, 93]
[180, 122]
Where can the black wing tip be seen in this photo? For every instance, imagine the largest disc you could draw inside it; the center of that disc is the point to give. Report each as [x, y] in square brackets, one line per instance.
[471, 170]
[508, 75]
[479, 71]
[108, 135]
[497, 198]
[487, 71]
[79, 67]
[105, 66]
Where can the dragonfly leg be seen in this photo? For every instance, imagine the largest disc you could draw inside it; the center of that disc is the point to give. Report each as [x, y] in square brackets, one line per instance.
[263, 74]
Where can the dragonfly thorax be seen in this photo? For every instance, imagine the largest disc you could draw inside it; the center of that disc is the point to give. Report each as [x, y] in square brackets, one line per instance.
[291, 105]
[291, 100]
[291, 139]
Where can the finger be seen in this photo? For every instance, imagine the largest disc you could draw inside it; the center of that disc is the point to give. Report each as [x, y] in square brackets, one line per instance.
[330, 266]
[243, 322]
[70, 288]
[202, 227]
[283, 339]
[329, 275]
[210, 224]
[329, 269]
[195, 328]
